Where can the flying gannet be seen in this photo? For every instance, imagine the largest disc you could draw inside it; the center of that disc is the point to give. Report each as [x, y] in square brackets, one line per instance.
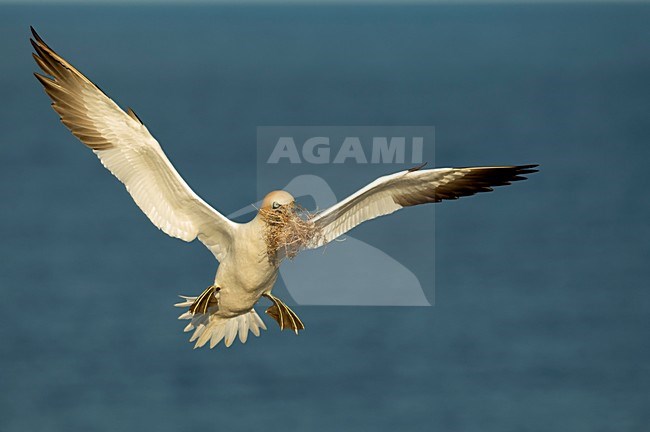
[250, 253]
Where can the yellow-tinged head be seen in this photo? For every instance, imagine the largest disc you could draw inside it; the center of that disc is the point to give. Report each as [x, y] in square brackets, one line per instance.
[276, 199]
[284, 230]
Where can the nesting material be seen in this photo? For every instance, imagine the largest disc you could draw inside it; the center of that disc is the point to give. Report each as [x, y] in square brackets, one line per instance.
[287, 230]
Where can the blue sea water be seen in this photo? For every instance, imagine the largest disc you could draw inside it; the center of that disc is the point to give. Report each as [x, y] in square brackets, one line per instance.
[542, 304]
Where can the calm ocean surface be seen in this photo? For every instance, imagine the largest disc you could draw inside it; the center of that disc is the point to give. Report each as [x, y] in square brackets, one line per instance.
[542, 300]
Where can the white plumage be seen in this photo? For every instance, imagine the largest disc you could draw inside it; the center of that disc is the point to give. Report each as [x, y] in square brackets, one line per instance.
[225, 310]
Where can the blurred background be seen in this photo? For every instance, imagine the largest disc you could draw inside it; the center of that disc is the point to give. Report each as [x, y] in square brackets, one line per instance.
[542, 305]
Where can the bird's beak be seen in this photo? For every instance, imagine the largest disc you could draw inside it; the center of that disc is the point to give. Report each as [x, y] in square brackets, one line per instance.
[290, 206]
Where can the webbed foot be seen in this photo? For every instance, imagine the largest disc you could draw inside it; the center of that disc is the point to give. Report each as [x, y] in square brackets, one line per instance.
[205, 300]
[285, 317]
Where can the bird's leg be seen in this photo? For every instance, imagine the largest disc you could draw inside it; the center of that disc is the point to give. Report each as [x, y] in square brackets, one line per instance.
[205, 300]
[285, 317]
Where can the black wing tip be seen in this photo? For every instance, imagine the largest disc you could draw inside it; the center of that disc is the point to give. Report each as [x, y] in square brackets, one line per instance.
[515, 170]
[42, 49]
[41, 77]
[502, 175]
[35, 44]
[36, 38]
[525, 169]
[519, 172]
[38, 45]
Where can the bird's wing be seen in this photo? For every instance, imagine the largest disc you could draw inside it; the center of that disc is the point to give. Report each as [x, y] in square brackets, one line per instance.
[127, 149]
[408, 188]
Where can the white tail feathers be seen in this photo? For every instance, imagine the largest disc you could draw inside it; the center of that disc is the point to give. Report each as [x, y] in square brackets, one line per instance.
[211, 327]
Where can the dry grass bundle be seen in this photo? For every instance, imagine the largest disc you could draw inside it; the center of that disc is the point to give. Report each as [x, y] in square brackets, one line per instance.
[287, 230]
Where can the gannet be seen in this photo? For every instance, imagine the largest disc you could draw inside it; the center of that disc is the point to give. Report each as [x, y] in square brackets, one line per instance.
[248, 267]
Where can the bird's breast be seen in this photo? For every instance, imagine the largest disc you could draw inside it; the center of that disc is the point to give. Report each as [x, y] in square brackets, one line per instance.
[246, 272]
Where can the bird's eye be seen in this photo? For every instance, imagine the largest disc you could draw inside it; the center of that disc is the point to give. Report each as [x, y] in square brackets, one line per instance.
[276, 205]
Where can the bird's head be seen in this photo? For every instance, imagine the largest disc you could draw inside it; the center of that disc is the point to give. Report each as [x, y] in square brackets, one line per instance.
[278, 200]
[287, 227]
